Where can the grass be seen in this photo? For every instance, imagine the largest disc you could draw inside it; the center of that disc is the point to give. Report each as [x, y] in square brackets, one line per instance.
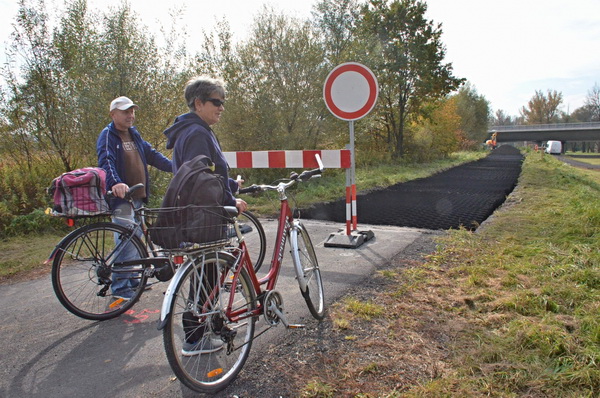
[586, 158]
[511, 310]
[17, 261]
[538, 265]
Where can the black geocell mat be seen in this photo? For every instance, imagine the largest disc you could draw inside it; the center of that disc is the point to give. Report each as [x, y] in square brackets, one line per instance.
[464, 196]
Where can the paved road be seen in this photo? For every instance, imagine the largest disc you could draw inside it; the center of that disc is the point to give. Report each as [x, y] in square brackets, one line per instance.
[47, 352]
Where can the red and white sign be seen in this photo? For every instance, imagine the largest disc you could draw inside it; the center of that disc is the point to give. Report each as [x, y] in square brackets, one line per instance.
[350, 91]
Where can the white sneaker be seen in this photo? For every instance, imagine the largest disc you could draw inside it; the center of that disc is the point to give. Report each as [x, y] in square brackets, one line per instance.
[206, 345]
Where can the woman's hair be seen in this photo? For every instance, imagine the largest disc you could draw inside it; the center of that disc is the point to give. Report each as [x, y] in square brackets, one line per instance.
[202, 87]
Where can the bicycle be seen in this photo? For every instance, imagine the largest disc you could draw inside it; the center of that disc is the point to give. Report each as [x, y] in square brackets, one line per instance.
[84, 263]
[212, 303]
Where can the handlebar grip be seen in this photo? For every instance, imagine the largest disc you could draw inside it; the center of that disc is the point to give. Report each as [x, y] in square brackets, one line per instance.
[250, 189]
[308, 174]
[129, 193]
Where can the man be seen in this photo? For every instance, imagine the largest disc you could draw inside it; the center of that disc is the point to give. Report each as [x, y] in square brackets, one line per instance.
[125, 156]
[189, 136]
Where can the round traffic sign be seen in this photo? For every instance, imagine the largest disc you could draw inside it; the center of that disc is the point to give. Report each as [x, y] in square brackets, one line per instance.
[350, 91]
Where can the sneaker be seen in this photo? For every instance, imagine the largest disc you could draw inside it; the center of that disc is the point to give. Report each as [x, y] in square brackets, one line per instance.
[206, 345]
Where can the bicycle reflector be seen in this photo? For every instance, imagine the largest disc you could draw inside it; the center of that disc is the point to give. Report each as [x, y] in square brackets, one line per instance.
[178, 260]
[215, 372]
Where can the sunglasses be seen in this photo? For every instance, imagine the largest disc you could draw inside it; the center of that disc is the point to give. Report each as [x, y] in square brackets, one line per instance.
[216, 102]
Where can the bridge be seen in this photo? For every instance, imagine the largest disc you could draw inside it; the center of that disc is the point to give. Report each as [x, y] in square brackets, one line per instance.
[545, 132]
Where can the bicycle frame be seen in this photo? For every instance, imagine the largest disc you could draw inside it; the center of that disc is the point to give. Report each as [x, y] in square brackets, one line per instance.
[285, 224]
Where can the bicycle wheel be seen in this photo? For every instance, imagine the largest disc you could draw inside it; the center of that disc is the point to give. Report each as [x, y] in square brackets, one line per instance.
[254, 235]
[205, 347]
[307, 270]
[82, 270]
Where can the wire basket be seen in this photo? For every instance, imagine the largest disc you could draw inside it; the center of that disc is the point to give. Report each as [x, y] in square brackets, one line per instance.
[80, 205]
[189, 227]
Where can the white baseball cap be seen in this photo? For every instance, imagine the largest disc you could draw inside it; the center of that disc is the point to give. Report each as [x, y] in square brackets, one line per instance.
[122, 103]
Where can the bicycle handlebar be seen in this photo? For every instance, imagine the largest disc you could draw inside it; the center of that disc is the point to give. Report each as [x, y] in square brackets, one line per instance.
[294, 177]
[129, 193]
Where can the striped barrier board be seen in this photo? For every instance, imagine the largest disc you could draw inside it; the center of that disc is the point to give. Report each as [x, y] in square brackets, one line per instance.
[332, 159]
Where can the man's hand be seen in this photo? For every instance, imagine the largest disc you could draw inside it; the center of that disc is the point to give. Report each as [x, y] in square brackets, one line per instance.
[241, 205]
[120, 189]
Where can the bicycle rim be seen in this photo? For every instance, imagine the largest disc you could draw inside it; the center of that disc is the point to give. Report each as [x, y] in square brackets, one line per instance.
[82, 269]
[308, 271]
[197, 315]
[254, 235]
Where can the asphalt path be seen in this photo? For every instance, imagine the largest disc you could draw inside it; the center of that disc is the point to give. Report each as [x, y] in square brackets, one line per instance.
[48, 352]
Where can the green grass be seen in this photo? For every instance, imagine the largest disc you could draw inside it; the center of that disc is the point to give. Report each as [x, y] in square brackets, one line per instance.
[25, 254]
[583, 157]
[538, 262]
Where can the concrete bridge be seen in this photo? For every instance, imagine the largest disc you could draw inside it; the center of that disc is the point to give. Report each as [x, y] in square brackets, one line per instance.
[566, 132]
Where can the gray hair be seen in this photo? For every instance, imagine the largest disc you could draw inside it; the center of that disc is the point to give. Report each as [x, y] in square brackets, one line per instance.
[202, 88]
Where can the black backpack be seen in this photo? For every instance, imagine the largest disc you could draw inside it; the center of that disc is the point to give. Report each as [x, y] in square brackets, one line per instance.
[192, 208]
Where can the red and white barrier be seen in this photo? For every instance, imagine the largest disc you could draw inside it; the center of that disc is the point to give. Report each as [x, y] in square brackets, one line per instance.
[332, 159]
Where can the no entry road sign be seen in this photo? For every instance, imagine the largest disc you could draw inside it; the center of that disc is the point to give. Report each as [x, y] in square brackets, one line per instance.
[350, 91]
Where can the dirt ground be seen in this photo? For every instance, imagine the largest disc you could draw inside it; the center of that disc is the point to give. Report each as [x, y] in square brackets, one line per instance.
[394, 352]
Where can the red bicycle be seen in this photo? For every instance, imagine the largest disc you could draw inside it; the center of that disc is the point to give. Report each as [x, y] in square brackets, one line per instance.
[215, 298]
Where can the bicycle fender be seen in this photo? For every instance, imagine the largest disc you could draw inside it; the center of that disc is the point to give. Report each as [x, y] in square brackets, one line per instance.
[168, 299]
[295, 260]
[58, 246]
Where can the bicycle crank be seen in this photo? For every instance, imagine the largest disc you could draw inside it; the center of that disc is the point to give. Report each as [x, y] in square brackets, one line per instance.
[273, 311]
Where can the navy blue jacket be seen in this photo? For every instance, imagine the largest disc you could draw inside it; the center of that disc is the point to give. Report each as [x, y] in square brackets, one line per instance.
[190, 136]
[110, 156]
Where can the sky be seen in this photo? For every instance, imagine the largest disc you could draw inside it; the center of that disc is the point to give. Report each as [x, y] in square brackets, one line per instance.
[506, 49]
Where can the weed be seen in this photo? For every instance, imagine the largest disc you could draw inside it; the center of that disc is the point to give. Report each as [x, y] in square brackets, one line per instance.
[317, 389]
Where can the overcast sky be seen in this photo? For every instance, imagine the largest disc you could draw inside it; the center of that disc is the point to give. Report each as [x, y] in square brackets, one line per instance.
[506, 49]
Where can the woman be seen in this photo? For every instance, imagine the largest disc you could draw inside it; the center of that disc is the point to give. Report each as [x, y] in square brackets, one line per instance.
[190, 136]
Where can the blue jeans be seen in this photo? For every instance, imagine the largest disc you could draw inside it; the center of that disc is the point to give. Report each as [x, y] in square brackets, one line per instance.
[123, 284]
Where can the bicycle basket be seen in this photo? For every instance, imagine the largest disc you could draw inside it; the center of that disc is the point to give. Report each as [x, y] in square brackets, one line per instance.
[187, 227]
[79, 193]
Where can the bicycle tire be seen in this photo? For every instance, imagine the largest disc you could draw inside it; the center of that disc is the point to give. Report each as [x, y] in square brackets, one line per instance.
[308, 272]
[82, 267]
[256, 240]
[214, 371]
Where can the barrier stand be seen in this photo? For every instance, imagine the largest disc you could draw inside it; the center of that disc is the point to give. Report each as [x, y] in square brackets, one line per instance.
[351, 238]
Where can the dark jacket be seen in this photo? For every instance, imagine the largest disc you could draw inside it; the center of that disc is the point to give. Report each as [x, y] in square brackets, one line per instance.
[110, 156]
[190, 136]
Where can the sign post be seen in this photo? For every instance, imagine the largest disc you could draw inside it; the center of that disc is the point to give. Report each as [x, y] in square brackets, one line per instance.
[350, 93]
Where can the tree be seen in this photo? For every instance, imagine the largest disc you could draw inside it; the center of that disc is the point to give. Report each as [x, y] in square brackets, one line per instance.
[336, 20]
[592, 103]
[474, 112]
[501, 118]
[406, 54]
[276, 99]
[542, 109]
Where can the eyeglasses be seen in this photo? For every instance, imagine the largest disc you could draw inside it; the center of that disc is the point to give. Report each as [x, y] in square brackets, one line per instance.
[216, 102]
